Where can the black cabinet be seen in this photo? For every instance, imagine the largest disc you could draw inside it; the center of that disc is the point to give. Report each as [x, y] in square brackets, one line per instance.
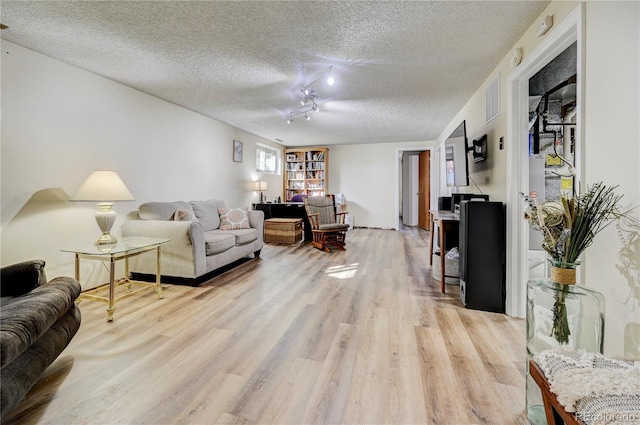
[287, 210]
[482, 255]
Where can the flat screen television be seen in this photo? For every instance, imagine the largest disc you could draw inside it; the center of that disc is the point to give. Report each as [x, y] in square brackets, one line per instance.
[456, 162]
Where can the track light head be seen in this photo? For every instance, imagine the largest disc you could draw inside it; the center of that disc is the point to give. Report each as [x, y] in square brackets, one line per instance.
[290, 120]
[330, 80]
[307, 117]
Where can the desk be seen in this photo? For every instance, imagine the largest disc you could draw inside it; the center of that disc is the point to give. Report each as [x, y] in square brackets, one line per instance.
[446, 221]
[125, 248]
[287, 210]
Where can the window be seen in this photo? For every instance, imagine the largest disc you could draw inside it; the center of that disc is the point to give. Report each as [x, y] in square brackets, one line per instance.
[267, 159]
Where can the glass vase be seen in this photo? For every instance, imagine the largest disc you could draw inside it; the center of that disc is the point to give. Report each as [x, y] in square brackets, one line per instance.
[560, 314]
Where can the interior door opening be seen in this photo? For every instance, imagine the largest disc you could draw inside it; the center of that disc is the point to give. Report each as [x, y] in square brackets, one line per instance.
[519, 257]
[552, 140]
[415, 187]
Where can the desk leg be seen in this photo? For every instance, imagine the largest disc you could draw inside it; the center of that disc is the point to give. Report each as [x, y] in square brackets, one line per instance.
[431, 231]
[111, 307]
[442, 253]
[158, 274]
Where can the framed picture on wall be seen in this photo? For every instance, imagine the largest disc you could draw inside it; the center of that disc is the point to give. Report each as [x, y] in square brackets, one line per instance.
[237, 151]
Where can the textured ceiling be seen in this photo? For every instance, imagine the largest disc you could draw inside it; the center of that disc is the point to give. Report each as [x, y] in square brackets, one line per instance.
[402, 69]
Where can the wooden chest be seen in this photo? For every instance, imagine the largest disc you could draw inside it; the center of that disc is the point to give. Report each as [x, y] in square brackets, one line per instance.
[283, 230]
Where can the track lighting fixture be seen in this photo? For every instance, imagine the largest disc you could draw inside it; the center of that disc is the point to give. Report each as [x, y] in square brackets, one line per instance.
[309, 99]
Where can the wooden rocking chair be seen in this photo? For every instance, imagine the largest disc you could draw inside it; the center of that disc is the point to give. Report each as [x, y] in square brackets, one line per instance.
[327, 226]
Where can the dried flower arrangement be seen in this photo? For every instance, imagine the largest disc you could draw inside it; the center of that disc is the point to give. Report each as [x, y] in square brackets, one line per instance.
[568, 227]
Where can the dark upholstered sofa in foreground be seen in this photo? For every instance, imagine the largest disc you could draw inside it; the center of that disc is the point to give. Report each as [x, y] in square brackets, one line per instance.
[38, 319]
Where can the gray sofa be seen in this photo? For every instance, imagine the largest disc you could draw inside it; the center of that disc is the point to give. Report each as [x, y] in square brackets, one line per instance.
[38, 319]
[198, 245]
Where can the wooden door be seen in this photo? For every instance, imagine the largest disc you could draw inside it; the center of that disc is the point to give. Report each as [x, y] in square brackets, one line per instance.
[424, 189]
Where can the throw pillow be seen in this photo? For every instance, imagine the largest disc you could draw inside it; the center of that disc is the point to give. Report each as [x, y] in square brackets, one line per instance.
[206, 213]
[183, 215]
[234, 218]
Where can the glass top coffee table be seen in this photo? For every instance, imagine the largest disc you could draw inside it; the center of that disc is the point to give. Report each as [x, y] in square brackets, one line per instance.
[123, 250]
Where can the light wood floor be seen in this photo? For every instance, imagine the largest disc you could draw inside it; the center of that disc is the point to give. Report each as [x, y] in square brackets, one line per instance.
[296, 337]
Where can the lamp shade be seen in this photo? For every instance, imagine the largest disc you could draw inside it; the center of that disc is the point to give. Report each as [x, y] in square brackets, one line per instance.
[103, 186]
[259, 185]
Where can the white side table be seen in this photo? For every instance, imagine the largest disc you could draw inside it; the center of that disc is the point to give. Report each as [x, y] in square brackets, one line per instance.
[123, 250]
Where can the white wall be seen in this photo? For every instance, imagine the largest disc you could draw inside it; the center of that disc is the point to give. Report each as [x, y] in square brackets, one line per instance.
[612, 155]
[367, 174]
[59, 123]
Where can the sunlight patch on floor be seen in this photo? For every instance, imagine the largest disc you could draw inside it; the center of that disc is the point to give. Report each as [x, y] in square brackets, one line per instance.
[347, 271]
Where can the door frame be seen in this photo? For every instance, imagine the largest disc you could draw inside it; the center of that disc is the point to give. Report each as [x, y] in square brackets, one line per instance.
[398, 178]
[570, 30]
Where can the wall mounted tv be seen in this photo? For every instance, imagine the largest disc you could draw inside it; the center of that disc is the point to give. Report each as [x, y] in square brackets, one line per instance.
[456, 163]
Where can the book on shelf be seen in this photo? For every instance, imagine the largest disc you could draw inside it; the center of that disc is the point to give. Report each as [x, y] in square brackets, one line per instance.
[294, 166]
[318, 174]
[315, 156]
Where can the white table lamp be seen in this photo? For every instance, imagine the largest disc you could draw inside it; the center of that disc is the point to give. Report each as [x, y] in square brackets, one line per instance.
[104, 187]
[260, 186]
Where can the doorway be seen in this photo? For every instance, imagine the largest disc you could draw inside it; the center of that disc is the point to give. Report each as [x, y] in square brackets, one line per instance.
[414, 187]
[567, 33]
[552, 141]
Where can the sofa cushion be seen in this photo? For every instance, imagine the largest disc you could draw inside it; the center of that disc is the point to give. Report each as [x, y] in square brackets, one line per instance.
[161, 210]
[184, 215]
[27, 317]
[207, 213]
[18, 279]
[233, 218]
[217, 242]
[19, 376]
[243, 236]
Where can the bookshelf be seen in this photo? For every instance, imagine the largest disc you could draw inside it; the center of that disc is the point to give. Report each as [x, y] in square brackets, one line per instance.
[306, 172]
